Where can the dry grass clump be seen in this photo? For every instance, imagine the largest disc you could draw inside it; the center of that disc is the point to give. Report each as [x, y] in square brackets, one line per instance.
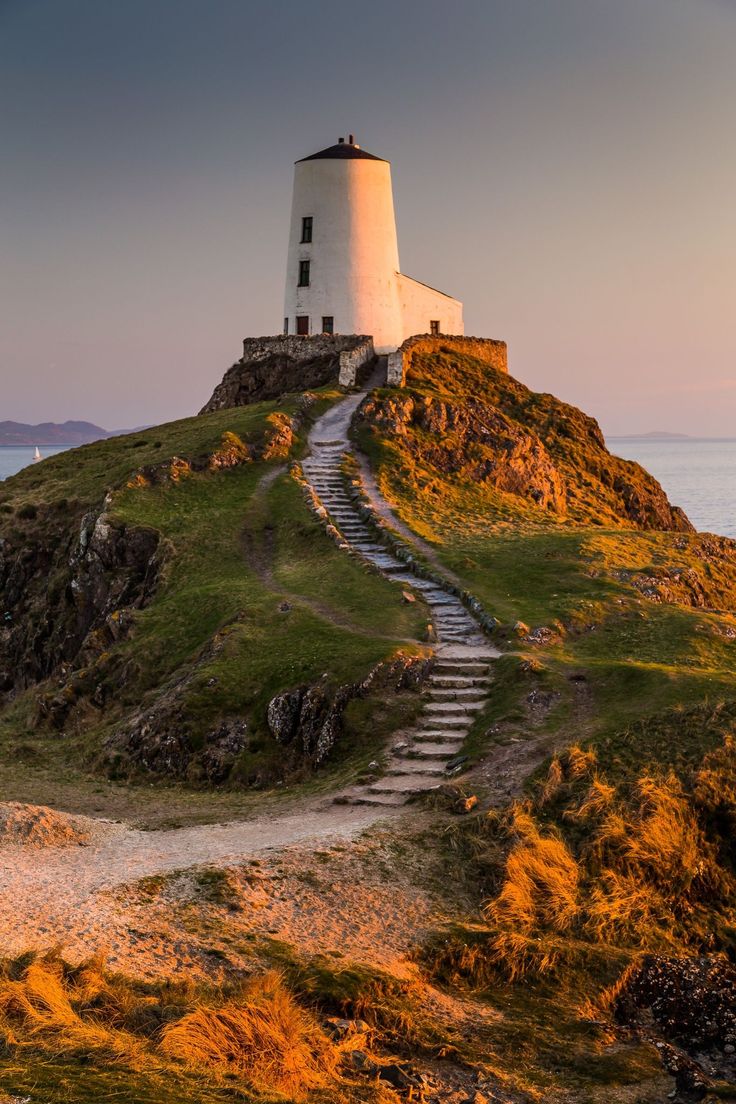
[254, 1034]
[264, 1036]
[44, 1002]
[540, 888]
[587, 861]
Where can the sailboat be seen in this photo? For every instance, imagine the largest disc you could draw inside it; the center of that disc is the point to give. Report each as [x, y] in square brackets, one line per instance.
[37, 455]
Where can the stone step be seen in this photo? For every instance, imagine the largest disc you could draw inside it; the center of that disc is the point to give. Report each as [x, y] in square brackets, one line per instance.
[452, 710]
[437, 751]
[446, 725]
[458, 669]
[404, 767]
[477, 653]
[458, 682]
[458, 694]
[434, 735]
[387, 800]
[403, 784]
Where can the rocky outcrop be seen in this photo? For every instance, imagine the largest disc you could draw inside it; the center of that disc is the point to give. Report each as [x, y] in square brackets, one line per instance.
[460, 419]
[689, 1005]
[66, 594]
[274, 366]
[309, 719]
[706, 582]
[508, 457]
[307, 722]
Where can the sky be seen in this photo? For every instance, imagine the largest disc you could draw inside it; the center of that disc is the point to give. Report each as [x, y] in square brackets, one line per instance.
[567, 168]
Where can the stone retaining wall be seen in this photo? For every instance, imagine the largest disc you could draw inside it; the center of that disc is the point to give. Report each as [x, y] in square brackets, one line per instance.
[352, 360]
[494, 353]
[273, 366]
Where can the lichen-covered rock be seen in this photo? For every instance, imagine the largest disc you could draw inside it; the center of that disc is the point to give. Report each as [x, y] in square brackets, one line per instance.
[283, 716]
[691, 1004]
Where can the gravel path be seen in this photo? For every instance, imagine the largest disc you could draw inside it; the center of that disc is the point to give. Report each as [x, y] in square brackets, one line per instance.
[58, 894]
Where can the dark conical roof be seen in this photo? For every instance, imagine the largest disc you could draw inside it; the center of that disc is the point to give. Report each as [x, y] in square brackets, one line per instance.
[342, 150]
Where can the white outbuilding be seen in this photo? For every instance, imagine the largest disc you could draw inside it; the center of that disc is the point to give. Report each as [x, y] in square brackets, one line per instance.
[342, 273]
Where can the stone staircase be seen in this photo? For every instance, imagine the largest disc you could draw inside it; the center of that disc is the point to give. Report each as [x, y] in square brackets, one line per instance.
[422, 758]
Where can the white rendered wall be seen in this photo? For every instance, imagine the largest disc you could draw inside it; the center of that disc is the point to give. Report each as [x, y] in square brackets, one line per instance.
[353, 254]
[421, 305]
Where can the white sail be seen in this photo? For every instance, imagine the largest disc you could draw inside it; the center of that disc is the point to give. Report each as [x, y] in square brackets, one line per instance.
[37, 455]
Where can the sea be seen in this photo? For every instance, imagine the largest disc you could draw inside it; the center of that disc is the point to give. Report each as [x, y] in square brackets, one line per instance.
[15, 457]
[697, 473]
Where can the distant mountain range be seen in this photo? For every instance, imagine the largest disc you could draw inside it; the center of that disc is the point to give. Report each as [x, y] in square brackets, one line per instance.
[55, 433]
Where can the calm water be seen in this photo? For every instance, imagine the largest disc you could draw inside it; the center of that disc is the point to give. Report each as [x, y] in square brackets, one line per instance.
[697, 473]
[15, 457]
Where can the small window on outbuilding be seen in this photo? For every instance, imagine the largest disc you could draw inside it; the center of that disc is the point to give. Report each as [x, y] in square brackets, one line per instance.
[286, 325]
[304, 274]
[328, 324]
[307, 228]
[434, 327]
[302, 324]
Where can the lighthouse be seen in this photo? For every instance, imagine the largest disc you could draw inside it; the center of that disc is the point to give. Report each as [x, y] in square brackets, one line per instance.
[342, 272]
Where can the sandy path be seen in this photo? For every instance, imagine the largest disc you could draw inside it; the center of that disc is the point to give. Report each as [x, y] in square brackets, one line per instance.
[62, 894]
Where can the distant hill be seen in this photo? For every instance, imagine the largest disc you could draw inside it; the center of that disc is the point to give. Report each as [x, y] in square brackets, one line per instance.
[653, 435]
[58, 433]
[51, 433]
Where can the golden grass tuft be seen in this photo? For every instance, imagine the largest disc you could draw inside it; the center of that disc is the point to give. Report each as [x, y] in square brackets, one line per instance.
[45, 1005]
[636, 867]
[540, 887]
[263, 1036]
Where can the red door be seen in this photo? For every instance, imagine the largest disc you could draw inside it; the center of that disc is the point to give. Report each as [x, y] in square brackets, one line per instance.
[302, 324]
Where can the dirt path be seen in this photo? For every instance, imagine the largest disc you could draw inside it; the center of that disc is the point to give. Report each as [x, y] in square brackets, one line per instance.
[61, 894]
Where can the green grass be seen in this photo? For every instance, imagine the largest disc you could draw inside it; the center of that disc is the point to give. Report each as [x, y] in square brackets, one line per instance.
[254, 599]
[580, 575]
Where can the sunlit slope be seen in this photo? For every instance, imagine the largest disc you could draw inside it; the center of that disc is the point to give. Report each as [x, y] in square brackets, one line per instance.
[595, 577]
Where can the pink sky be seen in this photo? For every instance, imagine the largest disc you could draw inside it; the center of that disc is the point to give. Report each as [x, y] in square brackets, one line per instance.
[567, 169]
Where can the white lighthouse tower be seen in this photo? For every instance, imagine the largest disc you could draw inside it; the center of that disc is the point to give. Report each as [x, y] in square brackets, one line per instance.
[342, 273]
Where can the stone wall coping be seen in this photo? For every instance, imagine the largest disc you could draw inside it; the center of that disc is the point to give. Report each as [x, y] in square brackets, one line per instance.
[489, 348]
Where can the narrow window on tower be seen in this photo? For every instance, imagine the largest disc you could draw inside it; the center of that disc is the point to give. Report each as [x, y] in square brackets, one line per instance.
[302, 324]
[328, 324]
[286, 325]
[434, 327]
[304, 274]
[307, 228]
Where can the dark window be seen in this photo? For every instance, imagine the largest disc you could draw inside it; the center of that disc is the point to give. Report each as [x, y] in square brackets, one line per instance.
[302, 324]
[307, 229]
[286, 325]
[328, 323]
[304, 274]
[434, 327]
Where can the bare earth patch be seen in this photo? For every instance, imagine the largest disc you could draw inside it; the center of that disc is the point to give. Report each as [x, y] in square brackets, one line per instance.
[38, 827]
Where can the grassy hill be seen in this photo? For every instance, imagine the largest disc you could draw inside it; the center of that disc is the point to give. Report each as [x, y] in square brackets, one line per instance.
[162, 588]
[614, 608]
[606, 751]
[238, 594]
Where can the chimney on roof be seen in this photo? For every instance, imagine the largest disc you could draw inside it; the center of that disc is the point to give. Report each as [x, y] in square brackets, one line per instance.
[351, 139]
[341, 141]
